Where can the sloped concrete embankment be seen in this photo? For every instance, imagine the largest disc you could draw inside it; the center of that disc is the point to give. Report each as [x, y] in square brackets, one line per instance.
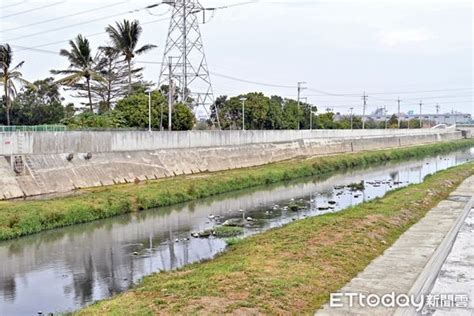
[62, 162]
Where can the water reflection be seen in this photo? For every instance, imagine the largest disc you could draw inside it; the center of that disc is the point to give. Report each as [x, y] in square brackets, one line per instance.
[67, 268]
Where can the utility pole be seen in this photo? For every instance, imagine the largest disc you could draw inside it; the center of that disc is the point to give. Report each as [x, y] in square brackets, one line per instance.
[437, 114]
[170, 93]
[385, 115]
[305, 100]
[421, 111]
[243, 99]
[149, 111]
[399, 119]
[364, 98]
[300, 88]
[352, 118]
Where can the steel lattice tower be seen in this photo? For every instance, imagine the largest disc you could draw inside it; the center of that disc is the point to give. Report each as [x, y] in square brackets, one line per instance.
[184, 56]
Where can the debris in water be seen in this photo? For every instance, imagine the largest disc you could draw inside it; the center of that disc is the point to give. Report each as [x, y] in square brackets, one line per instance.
[357, 186]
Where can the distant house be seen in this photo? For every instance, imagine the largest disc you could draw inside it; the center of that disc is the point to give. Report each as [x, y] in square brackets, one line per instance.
[447, 118]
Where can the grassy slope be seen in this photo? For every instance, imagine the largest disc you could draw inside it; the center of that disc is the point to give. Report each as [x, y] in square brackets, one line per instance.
[18, 218]
[289, 270]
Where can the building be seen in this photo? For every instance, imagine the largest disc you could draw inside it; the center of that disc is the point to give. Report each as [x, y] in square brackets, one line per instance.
[428, 119]
[447, 118]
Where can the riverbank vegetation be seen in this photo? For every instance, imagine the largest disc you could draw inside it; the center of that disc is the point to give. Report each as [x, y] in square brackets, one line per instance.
[288, 270]
[19, 218]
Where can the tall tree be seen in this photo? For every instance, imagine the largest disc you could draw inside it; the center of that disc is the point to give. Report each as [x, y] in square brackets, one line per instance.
[114, 72]
[82, 66]
[125, 36]
[10, 76]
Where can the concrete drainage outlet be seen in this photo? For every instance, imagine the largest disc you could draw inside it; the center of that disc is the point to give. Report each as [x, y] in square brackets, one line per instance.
[18, 164]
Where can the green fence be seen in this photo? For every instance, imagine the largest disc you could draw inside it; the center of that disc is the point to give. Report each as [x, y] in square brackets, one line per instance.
[34, 128]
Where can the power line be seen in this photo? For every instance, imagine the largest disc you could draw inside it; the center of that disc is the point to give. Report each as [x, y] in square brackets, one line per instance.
[445, 96]
[36, 47]
[64, 16]
[259, 83]
[429, 97]
[33, 9]
[12, 5]
[364, 98]
[421, 91]
[334, 94]
[77, 24]
[253, 82]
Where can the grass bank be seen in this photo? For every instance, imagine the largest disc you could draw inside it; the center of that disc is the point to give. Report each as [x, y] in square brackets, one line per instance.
[19, 218]
[289, 270]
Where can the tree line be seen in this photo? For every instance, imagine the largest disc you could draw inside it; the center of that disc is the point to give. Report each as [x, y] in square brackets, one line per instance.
[113, 87]
[117, 96]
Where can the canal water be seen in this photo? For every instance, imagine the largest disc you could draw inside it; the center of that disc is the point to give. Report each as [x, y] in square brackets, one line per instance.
[66, 269]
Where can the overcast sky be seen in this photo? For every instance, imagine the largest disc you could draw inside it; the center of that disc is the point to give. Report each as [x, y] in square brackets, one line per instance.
[415, 49]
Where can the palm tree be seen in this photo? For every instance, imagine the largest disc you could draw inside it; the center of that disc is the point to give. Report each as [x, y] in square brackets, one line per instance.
[124, 37]
[9, 77]
[82, 66]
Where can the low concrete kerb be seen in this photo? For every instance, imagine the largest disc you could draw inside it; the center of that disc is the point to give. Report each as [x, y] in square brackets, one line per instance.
[428, 276]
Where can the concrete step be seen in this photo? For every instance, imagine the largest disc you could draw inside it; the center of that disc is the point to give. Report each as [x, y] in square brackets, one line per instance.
[8, 183]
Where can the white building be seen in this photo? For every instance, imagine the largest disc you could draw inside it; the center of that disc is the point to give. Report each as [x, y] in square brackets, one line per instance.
[447, 118]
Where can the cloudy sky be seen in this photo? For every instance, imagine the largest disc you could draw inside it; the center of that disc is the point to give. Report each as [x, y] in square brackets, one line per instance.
[412, 49]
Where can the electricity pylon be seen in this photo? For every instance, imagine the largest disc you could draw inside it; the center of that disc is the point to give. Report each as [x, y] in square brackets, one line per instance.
[188, 63]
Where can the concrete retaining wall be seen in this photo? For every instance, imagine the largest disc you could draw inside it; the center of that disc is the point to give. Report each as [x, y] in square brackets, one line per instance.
[133, 156]
[100, 142]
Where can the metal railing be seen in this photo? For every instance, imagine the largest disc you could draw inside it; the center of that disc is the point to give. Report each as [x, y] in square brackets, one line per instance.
[33, 128]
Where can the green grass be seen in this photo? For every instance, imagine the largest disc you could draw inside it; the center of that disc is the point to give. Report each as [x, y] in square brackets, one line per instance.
[225, 231]
[19, 218]
[288, 270]
[233, 241]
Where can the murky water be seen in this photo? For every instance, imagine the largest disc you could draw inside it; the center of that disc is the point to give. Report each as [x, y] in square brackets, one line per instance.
[68, 268]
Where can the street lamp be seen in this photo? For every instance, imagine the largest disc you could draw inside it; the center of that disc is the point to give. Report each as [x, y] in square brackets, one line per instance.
[149, 110]
[243, 99]
[352, 119]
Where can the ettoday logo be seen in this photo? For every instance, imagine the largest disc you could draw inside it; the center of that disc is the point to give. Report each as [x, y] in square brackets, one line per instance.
[392, 300]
